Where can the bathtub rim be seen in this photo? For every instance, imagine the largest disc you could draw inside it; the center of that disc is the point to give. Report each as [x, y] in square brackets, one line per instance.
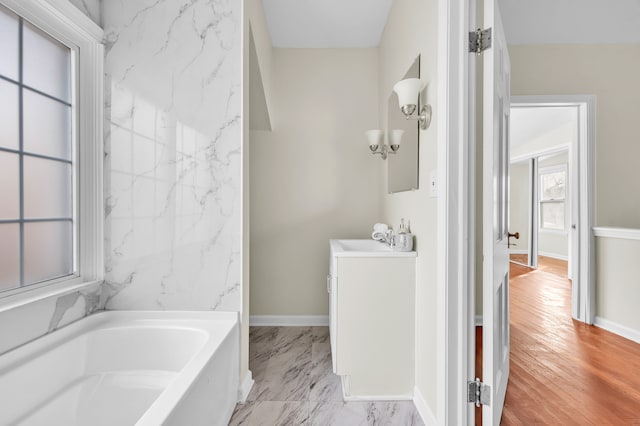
[162, 407]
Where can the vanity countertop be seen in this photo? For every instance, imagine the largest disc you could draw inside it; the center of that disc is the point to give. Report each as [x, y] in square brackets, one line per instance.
[365, 248]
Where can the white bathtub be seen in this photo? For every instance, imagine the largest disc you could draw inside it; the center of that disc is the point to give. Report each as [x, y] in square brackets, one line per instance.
[125, 368]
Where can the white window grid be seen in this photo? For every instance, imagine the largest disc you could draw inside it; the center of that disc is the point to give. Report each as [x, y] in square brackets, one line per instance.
[541, 200]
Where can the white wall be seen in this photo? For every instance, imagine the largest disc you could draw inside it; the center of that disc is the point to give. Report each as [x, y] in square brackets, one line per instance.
[617, 285]
[519, 196]
[173, 155]
[610, 73]
[91, 8]
[312, 176]
[412, 30]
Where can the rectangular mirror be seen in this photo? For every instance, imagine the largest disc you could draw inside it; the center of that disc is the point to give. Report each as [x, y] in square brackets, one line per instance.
[403, 166]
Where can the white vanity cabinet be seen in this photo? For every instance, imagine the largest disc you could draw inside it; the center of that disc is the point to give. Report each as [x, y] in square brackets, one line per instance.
[372, 317]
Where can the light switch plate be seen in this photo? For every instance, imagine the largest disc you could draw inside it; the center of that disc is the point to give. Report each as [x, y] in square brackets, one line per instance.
[433, 183]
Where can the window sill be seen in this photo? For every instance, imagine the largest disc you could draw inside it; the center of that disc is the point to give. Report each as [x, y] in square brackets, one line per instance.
[553, 231]
[37, 294]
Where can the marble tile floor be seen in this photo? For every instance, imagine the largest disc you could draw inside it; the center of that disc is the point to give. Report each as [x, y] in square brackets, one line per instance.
[295, 385]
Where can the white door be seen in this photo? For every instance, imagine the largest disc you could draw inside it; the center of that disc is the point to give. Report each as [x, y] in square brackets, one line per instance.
[495, 335]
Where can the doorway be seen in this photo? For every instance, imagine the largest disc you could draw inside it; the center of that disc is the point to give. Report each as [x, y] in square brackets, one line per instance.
[540, 189]
[551, 161]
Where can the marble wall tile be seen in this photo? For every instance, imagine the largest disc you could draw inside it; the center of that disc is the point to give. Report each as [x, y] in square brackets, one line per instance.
[21, 324]
[91, 8]
[172, 154]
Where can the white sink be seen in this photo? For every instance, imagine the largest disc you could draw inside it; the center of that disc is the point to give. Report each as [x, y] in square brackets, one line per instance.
[365, 248]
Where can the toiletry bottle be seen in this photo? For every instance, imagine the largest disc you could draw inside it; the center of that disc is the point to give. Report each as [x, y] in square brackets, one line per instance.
[404, 240]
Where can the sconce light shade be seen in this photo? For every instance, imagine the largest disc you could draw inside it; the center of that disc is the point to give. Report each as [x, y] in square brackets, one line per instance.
[408, 91]
[395, 137]
[375, 138]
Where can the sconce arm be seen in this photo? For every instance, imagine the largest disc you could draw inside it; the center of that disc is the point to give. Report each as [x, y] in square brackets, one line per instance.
[424, 119]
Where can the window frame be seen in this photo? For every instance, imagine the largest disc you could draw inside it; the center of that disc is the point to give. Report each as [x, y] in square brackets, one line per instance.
[548, 170]
[67, 24]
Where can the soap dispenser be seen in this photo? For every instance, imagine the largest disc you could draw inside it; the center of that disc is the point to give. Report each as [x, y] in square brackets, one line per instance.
[404, 238]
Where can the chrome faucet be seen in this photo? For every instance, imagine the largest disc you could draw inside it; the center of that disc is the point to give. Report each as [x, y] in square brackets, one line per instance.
[390, 238]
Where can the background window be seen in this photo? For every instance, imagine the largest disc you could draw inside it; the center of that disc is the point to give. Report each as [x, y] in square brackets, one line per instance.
[37, 222]
[553, 184]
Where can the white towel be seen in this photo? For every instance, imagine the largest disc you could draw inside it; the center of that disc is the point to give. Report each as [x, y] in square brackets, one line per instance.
[378, 236]
[380, 227]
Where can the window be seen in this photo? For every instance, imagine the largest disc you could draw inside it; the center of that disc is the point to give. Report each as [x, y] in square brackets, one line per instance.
[553, 189]
[49, 105]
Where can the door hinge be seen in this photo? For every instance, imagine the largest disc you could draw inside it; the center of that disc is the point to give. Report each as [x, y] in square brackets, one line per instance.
[479, 40]
[478, 393]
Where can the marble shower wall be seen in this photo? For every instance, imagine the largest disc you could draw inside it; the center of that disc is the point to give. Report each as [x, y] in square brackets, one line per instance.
[91, 8]
[26, 322]
[173, 154]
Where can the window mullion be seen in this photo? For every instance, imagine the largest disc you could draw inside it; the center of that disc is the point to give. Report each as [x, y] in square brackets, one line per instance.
[21, 148]
[33, 271]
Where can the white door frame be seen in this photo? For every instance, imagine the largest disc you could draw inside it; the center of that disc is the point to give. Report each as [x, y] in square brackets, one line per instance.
[581, 192]
[456, 156]
[456, 146]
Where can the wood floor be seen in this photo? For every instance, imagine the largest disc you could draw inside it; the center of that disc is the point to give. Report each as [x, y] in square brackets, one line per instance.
[564, 372]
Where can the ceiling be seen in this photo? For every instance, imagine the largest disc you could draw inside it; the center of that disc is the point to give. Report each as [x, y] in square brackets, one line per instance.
[326, 23]
[360, 23]
[529, 123]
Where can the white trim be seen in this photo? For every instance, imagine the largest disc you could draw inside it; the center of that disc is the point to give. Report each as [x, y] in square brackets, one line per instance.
[534, 213]
[289, 320]
[39, 12]
[245, 387]
[611, 232]
[566, 201]
[619, 329]
[423, 409]
[553, 255]
[455, 160]
[344, 380]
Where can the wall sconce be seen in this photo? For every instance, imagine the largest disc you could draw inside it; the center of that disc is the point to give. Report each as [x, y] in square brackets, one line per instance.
[408, 92]
[375, 139]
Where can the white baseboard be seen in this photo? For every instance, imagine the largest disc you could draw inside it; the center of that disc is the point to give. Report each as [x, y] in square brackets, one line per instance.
[289, 320]
[478, 320]
[553, 255]
[344, 380]
[423, 409]
[245, 387]
[511, 251]
[619, 329]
